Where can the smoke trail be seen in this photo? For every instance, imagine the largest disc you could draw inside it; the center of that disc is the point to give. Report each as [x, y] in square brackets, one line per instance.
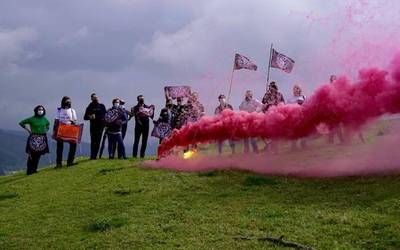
[376, 92]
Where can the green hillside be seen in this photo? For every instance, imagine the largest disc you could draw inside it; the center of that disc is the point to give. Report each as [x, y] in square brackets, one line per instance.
[120, 205]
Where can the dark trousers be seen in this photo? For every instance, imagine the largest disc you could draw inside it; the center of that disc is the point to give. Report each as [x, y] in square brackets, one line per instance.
[95, 140]
[140, 130]
[113, 141]
[71, 153]
[220, 145]
[253, 142]
[32, 163]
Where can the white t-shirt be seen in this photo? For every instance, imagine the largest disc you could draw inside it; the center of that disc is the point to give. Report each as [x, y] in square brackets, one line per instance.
[297, 100]
[66, 116]
[253, 105]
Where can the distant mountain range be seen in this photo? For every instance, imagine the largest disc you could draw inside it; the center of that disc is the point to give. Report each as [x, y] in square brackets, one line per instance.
[13, 156]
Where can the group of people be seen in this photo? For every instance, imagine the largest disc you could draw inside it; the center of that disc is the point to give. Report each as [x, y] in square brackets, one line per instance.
[111, 124]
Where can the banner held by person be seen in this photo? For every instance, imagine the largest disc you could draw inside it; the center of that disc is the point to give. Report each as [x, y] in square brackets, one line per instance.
[173, 92]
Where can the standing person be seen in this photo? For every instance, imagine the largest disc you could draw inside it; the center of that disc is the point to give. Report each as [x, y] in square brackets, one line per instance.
[250, 105]
[142, 113]
[297, 98]
[177, 111]
[127, 114]
[164, 119]
[114, 118]
[94, 113]
[65, 115]
[37, 144]
[218, 110]
[198, 107]
[272, 97]
[335, 131]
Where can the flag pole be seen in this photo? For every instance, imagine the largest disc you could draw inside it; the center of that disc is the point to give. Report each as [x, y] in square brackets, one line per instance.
[269, 63]
[230, 85]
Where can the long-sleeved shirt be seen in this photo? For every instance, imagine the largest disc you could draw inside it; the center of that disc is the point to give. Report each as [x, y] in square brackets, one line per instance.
[220, 108]
[272, 99]
[97, 109]
[37, 124]
[252, 105]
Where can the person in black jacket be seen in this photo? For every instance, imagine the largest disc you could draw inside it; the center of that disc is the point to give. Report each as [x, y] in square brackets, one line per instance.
[95, 114]
[142, 113]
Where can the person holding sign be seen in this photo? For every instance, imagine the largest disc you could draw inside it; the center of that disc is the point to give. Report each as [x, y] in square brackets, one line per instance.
[65, 116]
[114, 118]
[37, 144]
[142, 113]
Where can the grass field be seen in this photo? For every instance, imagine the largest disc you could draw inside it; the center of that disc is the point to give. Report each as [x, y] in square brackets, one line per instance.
[120, 204]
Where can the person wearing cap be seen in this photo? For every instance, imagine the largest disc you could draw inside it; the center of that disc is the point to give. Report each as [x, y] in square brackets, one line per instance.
[94, 113]
[272, 97]
[218, 110]
[114, 118]
[250, 105]
[37, 144]
[143, 114]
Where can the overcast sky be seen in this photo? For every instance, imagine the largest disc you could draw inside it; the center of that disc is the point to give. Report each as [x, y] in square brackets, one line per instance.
[123, 48]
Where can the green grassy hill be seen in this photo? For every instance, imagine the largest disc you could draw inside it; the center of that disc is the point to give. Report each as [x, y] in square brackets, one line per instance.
[121, 205]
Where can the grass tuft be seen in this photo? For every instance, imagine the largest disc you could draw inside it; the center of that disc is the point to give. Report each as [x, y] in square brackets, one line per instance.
[106, 224]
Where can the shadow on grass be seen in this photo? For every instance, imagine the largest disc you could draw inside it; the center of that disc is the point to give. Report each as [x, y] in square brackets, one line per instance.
[8, 196]
[259, 181]
[105, 171]
[106, 224]
[122, 192]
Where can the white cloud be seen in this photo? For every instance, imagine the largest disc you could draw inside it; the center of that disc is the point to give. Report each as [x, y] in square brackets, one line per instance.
[13, 45]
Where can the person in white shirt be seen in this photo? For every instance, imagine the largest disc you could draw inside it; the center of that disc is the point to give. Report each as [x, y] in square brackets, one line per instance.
[298, 98]
[250, 105]
[66, 115]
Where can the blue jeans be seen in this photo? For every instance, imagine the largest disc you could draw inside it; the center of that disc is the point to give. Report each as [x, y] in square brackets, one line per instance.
[113, 141]
[253, 142]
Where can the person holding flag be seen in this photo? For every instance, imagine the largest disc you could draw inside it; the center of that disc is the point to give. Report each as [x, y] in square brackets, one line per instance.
[272, 97]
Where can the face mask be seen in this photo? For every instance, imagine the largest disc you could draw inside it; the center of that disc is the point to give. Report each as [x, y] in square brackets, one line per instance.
[222, 101]
[116, 105]
[40, 112]
[141, 100]
[68, 104]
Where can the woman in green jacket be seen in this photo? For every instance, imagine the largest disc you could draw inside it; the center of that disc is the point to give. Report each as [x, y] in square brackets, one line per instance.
[37, 144]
